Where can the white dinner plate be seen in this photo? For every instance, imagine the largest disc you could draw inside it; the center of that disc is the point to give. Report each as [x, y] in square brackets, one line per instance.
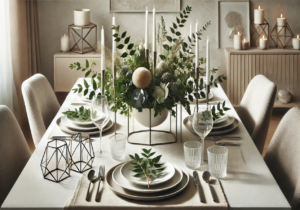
[80, 122]
[128, 174]
[210, 96]
[117, 189]
[72, 125]
[221, 119]
[220, 131]
[120, 180]
[224, 124]
[85, 98]
[74, 131]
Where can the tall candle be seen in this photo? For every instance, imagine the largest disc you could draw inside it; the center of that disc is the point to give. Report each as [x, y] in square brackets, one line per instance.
[146, 29]
[207, 61]
[281, 22]
[64, 43]
[237, 41]
[263, 43]
[296, 43]
[190, 30]
[196, 47]
[154, 31]
[102, 50]
[113, 32]
[259, 16]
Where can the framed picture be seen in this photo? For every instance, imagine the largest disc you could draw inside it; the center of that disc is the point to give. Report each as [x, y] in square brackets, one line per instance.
[234, 17]
[140, 5]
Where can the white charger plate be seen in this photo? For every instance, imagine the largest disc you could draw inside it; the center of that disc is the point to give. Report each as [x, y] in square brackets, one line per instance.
[74, 131]
[117, 189]
[215, 132]
[224, 124]
[120, 180]
[128, 174]
[70, 124]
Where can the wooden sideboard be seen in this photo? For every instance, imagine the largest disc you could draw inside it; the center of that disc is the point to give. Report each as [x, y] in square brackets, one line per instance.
[64, 77]
[282, 66]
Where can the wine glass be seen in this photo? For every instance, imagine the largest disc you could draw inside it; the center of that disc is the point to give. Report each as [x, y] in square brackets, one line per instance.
[202, 124]
[100, 116]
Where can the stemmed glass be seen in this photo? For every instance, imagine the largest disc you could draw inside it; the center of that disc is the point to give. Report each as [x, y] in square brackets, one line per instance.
[100, 116]
[202, 124]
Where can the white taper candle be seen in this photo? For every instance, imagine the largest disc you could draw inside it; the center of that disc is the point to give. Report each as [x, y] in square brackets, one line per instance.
[102, 50]
[154, 31]
[146, 29]
[196, 47]
[207, 61]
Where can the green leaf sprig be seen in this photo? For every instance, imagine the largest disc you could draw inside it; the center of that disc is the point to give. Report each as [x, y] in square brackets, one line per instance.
[123, 41]
[146, 166]
[219, 111]
[82, 114]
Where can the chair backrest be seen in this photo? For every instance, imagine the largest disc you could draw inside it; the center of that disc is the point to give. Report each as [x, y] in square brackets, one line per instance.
[256, 108]
[14, 151]
[41, 105]
[283, 156]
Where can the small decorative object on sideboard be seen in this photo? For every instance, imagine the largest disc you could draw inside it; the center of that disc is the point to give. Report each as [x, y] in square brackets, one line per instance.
[263, 42]
[64, 43]
[82, 153]
[82, 17]
[282, 33]
[259, 16]
[296, 43]
[56, 161]
[237, 41]
[284, 96]
[245, 45]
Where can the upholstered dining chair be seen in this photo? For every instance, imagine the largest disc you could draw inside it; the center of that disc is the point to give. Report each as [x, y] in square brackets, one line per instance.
[41, 105]
[283, 156]
[256, 108]
[14, 151]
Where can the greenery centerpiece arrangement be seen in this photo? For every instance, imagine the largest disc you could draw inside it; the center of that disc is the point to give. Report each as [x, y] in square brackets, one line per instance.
[141, 85]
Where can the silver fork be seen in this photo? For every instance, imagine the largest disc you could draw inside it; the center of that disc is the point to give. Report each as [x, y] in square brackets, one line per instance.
[101, 175]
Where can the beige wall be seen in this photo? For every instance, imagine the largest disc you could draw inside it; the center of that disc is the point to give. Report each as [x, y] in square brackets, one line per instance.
[56, 15]
[19, 49]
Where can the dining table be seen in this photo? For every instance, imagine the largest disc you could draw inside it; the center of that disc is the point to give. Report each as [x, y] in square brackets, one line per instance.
[248, 184]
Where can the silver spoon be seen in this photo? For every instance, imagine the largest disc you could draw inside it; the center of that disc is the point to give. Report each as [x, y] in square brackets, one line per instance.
[207, 177]
[91, 177]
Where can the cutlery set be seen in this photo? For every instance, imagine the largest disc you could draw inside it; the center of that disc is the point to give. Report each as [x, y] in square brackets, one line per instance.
[92, 178]
[206, 176]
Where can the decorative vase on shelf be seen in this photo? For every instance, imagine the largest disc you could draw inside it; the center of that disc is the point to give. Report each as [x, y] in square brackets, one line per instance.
[284, 96]
[143, 117]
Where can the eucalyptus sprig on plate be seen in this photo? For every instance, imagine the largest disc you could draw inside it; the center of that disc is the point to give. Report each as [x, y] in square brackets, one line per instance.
[82, 114]
[146, 166]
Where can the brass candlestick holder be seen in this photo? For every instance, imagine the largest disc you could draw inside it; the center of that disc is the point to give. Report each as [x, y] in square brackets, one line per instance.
[281, 35]
[80, 37]
[259, 30]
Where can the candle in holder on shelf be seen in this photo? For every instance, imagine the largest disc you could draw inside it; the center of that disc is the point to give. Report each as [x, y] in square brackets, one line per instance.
[263, 43]
[296, 43]
[281, 22]
[237, 41]
[259, 16]
[64, 43]
[207, 62]
[82, 17]
[245, 45]
[154, 31]
[146, 29]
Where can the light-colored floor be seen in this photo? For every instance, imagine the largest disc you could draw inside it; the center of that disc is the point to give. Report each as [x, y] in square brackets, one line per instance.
[275, 119]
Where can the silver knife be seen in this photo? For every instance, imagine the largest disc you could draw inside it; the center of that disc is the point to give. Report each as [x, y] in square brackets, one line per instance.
[227, 143]
[195, 175]
[216, 138]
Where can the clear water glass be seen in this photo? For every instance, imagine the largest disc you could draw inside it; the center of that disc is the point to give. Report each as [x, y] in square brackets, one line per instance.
[192, 154]
[100, 115]
[217, 161]
[118, 146]
[202, 125]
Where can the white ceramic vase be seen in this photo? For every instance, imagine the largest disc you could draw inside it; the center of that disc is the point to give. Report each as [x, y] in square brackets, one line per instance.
[81, 17]
[143, 117]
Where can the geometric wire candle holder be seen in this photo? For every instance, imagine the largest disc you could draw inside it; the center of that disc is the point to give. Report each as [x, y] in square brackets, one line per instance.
[82, 153]
[281, 35]
[258, 31]
[79, 39]
[56, 161]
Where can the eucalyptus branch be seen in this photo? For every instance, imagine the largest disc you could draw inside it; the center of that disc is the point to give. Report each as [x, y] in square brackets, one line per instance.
[124, 42]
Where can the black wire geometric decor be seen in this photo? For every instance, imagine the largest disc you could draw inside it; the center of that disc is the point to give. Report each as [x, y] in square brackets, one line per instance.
[56, 161]
[82, 153]
[258, 31]
[281, 35]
